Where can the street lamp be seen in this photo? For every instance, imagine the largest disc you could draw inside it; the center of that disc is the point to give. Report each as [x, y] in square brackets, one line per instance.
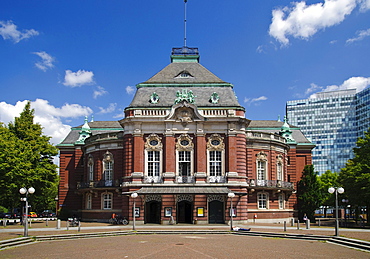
[23, 190]
[134, 196]
[337, 190]
[231, 195]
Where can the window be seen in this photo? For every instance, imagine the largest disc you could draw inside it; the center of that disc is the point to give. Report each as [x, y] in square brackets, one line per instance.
[153, 155]
[107, 199]
[262, 200]
[108, 169]
[153, 163]
[184, 163]
[215, 163]
[261, 165]
[91, 169]
[88, 201]
[281, 201]
[279, 169]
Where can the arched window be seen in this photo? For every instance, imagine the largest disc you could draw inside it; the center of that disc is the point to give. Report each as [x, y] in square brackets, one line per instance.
[262, 200]
[108, 162]
[107, 201]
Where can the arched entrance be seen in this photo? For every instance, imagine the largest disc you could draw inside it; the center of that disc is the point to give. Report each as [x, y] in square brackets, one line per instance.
[153, 205]
[216, 209]
[185, 212]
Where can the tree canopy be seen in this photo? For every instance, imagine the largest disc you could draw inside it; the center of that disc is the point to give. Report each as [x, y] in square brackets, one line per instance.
[355, 176]
[26, 160]
[308, 193]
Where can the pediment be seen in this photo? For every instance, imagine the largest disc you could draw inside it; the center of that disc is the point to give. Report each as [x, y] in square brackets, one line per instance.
[184, 112]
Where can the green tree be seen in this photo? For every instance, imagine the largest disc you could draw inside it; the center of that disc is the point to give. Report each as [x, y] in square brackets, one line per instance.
[26, 159]
[327, 180]
[308, 193]
[355, 176]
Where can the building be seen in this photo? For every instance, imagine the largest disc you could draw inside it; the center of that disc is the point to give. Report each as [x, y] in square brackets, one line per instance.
[183, 146]
[333, 121]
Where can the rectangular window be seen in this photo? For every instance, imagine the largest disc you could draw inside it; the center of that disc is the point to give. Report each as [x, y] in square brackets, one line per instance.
[184, 163]
[88, 202]
[107, 201]
[261, 168]
[279, 171]
[153, 163]
[262, 200]
[281, 201]
[91, 172]
[108, 171]
[215, 163]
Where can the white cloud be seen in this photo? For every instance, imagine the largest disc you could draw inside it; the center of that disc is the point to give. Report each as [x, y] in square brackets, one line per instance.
[130, 89]
[250, 101]
[8, 30]
[46, 62]
[79, 78]
[313, 88]
[358, 83]
[48, 116]
[99, 92]
[360, 36]
[303, 21]
[109, 109]
[364, 5]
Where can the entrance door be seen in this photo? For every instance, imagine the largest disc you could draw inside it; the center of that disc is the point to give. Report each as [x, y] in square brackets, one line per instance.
[153, 212]
[185, 212]
[216, 212]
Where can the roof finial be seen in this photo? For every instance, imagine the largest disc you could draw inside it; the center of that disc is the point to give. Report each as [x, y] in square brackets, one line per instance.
[185, 1]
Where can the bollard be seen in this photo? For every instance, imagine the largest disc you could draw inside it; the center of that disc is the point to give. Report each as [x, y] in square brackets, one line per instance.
[292, 222]
[284, 226]
[58, 224]
[67, 225]
[319, 223]
[297, 223]
[47, 224]
[79, 226]
[30, 222]
[308, 224]
[4, 222]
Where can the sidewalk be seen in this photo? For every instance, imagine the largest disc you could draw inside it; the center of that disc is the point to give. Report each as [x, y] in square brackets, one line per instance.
[38, 228]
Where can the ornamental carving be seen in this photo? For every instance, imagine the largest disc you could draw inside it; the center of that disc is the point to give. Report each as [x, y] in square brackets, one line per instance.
[153, 143]
[184, 115]
[262, 156]
[185, 95]
[154, 98]
[184, 197]
[214, 98]
[184, 143]
[215, 143]
[149, 198]
[220, 198]
[280, 159]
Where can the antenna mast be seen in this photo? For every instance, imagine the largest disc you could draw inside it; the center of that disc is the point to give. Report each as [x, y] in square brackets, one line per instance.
[185, 1]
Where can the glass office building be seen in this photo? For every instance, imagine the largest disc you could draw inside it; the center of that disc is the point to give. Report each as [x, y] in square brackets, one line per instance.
[333, 121]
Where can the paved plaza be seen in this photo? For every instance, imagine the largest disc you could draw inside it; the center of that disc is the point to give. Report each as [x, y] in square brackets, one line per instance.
[183, 245]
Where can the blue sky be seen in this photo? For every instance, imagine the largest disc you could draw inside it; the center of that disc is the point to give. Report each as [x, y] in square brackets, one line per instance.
[78, 58]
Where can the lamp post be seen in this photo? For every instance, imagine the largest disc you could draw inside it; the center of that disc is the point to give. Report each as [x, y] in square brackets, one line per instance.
[134, 196]
[231, 195]
[23, 190]
[336, 190]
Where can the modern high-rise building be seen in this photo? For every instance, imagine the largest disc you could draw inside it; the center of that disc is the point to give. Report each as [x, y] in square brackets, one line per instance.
[333, 121]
